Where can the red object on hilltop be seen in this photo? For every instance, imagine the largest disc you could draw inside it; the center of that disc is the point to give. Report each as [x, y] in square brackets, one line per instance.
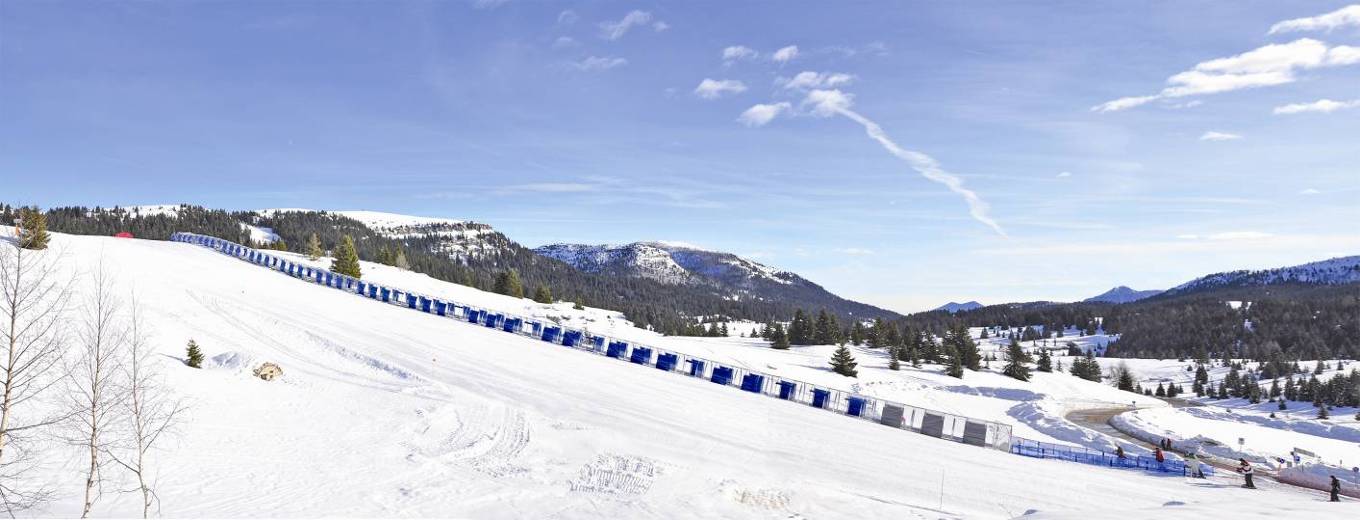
[124, 234]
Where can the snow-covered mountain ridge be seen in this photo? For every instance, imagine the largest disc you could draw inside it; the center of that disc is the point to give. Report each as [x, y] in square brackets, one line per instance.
[1122, 294]
[1335, 271]
[667, 262]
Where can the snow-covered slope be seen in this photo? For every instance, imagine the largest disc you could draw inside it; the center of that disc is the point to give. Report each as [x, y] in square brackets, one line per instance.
[382, 411]
[1122, 294]
[1336, 271]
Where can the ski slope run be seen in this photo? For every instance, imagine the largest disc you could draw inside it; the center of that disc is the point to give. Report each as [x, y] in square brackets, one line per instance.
[386, 412]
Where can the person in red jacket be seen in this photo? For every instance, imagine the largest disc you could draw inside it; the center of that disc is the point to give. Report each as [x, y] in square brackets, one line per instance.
[1159, 455]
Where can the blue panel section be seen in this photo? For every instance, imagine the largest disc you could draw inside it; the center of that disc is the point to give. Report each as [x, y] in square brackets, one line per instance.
[786, 389]
[696, 368]
[474, 315]
[494, 320]
[571, 338]
[512, 324]
[372, 291]
[551, 334]
[641, 356]
[752, 382]
[856, 407]
[667, 362]
[441, 308]
[616, 349]
[819, 397]
[722, 375]
[386, 294]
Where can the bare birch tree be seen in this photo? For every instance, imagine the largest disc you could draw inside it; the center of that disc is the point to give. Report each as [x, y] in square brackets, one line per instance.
[94, 373]
[150, 411]
[35, 294]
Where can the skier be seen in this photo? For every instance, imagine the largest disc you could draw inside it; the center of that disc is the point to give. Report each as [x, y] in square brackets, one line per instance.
[1245, 469]
[1159, 456]
[1119, 451]
[1192, 463]
[1336, 489]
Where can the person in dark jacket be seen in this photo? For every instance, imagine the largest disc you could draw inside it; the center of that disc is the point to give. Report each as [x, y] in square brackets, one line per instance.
[1336, 489]
[1245, 469]
[1119, 451]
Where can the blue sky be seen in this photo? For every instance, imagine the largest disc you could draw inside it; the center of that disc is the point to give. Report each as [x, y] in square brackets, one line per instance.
[1103, 143]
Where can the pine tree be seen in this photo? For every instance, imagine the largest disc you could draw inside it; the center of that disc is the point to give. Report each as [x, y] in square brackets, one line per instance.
[1017, 362]
[543, 294]
[1160, 391]
[507, 283]
[824, 332]
[843, 363]
[778, 339]
[800, 330]
[893, 363]
[346, 261]
[32, 229]
[955, 367]
[857, 333]
[1282, 405]
[400, 262]
[1323, 412]
[580, 305]
[314, 250]
[194, 355]
[1045, 363]
[385, 256]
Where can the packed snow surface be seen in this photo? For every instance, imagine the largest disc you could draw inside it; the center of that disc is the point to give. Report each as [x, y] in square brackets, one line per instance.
[383, 411]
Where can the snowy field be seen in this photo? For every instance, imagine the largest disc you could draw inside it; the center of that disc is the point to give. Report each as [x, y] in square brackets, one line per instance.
[382, 411]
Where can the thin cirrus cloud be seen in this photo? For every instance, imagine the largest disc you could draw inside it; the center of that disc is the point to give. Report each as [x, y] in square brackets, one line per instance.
[1345, 16]
[597, 63]
[761, 114]
[615, 30]
[826, 103]
[1269, 65]
[1325, 106]
[785, 54]
[716, 88]
[563, 42]
[1219, 136]
[813, 80]
[567, 17]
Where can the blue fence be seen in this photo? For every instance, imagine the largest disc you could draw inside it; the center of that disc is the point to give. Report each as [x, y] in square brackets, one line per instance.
[921, 420]
[1044, 450]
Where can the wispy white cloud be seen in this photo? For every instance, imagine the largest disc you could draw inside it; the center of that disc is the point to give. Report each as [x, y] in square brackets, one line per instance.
[1064, 174]
[1309, 191]
[659, 26]
[1218, 136]
[1349, 15]
[616, 30]
[855, 251]
[563, 42]
[716, 88]
[1269, 65]
[762, 114]
[488, 4]
[555, 187]
[812, 80]
[785, 54]
[1239, 235]
[1324, 106]
[832, 102]
[594, 63]
[737, 53]
[567, 17]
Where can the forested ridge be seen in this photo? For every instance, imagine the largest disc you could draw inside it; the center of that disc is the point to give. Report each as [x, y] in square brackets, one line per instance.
[668, 308]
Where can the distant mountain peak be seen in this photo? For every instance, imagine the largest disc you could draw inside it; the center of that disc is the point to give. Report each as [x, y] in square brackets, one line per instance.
[1122, 294]
[953, 307]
